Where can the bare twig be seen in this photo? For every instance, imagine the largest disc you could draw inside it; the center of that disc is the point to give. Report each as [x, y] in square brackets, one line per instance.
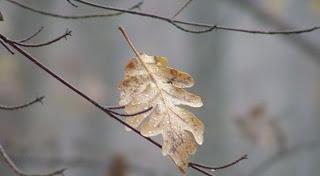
[6, 47]
[84, 96]
[134, 114]
[17, 171]
[182, 8]
[277, 157]
[11, 108]
[220, 167]
[67, 33]
[31, 36]
[202, 171]
[208, 27]
[71, 3]
[136, 6]
[114, 107]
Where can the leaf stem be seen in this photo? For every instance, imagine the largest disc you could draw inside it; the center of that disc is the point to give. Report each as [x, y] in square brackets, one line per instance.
[137, 53]
[134, 49]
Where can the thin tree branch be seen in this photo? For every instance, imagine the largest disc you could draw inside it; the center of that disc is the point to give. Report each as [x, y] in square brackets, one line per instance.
[277, 157]
[114, 107]
[6, 47]
[11, 108]
[214, 168]
[17, 171]
[31, 36]
[67, 33]
[209, 27]
[202, 171]
[71, 3]
[75, 17]
[182, 8]
[130, 115]
[84, 96]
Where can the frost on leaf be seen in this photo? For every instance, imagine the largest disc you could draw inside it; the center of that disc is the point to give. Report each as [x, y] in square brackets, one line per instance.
[149, 82]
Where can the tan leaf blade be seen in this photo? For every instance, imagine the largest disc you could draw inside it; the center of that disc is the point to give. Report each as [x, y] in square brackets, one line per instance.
[149, 82]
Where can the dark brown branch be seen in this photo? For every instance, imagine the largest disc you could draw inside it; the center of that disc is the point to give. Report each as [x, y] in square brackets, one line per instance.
[277, 157]
[208, 27]
[84, 96]
[6, 47]
[114, 107]
[11, 108]
[182, 8]
[220, 167]
[202, 171]
[17, 171]
[215, 27]
[67, 33]
[74, 17]
[71, 3]
[31, 36]
[134, 114]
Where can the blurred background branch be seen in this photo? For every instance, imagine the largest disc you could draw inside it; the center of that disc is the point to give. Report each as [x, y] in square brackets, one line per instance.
[181, 8]
[300, 41]
[274, 159]
[17, 171]
[117, 163]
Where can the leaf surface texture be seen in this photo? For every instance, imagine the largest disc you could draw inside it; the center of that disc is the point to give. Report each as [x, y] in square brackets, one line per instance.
[150, 82]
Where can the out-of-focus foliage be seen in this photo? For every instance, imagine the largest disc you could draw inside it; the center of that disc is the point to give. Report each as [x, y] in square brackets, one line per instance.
[261, 129]
[1, 16]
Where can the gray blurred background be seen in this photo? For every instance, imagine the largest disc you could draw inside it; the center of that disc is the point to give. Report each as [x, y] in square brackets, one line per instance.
[261, 92]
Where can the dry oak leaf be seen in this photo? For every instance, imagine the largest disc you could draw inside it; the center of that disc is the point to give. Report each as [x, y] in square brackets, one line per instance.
[149, 82]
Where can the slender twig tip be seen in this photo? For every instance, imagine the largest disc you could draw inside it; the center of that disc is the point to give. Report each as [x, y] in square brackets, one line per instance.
[121, 29]
[138, 6]
[40, 99]
[245, 156]
[68, 33]
[32, 36]
[72, 4]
